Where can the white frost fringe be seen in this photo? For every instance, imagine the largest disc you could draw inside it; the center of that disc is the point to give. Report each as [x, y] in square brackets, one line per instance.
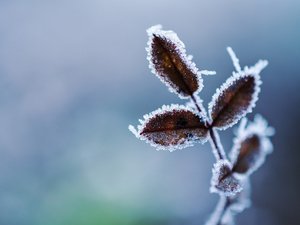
[252, 71]
[171, 37]
[160, 111]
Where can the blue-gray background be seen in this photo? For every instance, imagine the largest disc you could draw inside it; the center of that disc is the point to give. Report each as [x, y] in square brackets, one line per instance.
[73, 75]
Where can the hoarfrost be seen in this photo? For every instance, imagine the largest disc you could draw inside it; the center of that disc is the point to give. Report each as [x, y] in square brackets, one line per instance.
[133, 130]
[247, 73]
[208, 72]
[220, 149]
[229, 206]
[223, 181]
[191, 104]
[241, 200]
[228, 218]
[251, 145]
[173, 40]
[234, 59]
[218, 212]
[171, 127]
[176, 127]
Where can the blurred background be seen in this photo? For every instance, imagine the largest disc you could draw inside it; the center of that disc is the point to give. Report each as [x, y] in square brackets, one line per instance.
[74, 75]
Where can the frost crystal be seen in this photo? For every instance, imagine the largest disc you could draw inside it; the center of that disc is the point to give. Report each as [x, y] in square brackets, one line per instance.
[172, 127]
[241, 200]
[170, 63]
[223, 181]
[228, 218]
[237, 96]
[176, 127]
[234, 59]
[218, 212]
[216, 151]
[229, 206]
[208, 72]
[251, 145]
[237, 204]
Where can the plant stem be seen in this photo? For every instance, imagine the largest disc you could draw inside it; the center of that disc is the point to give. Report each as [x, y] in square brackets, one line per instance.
[216, 144]
[222, 206]
[219, 154]
[198, 105]
[213, 134]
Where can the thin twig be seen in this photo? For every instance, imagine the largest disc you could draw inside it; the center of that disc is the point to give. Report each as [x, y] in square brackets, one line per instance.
[214, 136]
[219, 212]
[216, 144]
[223, 211]
[197, 104]
[219, 154]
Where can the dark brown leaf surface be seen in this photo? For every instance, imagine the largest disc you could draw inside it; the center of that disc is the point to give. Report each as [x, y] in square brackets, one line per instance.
[236, 98]
[223, 180]
[249, 154]
[174, 127]
[172, 66]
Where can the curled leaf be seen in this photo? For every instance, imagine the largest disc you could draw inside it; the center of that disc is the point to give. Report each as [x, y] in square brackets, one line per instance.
[223, 181]
[236, 97]
[168, 60]
[172, 127]
[251, 146]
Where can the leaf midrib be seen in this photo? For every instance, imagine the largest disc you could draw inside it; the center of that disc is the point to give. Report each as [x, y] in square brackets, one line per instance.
[231, 100]
[178, 73]
[170, 129]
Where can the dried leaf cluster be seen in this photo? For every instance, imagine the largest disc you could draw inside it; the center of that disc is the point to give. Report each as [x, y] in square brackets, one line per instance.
[177, 126]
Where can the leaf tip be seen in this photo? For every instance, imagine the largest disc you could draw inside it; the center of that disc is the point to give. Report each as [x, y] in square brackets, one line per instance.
[133, 130]
[258, 67]
[207, 72]
[153, 29]
[234, 59]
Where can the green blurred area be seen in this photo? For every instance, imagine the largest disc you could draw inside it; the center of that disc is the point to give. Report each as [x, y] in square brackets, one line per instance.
[88, 212]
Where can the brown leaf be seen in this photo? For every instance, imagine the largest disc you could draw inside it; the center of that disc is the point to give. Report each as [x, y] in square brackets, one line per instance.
[173, 127]
[236, 97]
[251, 155]
[251, 146]
[248, 155]
[169, 62]
[223, 180]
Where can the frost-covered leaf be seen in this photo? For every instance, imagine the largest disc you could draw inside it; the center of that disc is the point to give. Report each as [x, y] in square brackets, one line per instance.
[251, 146]
[223, 181]
[172, 127]
[249, 154]
[168, 60]
[237, 96]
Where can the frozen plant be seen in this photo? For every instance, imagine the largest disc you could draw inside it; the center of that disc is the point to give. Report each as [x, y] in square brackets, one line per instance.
[178, 126]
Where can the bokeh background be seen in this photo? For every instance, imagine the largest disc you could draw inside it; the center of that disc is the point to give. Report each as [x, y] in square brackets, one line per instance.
[73, 75]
